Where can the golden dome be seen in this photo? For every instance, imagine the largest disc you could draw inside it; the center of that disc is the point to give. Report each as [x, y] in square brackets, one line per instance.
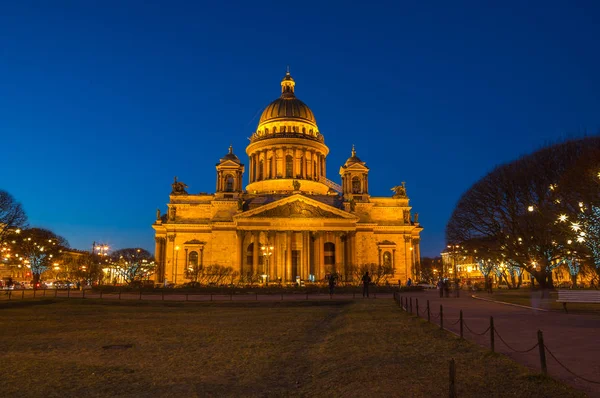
[287, 106]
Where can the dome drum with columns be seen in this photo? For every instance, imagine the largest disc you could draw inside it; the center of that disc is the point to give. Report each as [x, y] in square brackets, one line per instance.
[315, 226]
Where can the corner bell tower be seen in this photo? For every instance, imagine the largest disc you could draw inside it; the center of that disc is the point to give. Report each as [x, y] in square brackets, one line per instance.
[230, 172]
[355, 178]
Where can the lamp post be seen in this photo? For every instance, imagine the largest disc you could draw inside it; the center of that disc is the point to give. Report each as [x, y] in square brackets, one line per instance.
[176, 257]
[454, 251]
[267, 251]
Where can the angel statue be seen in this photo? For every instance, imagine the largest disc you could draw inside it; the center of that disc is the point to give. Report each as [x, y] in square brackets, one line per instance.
[400, 190]
[178, 188]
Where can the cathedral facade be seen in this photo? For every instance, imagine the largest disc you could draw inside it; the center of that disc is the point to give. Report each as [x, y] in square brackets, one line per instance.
[290, 222]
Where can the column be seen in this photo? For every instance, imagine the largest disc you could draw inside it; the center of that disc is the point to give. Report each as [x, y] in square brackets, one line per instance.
[321, 261]
[406, 254]
[294, 163]
[158, 253]
[250, 173]
[394, 260]
[288, 262]
[366, 183]
[273, 163]
[379, 256]
[305, 165]
[275, 258]
[338, 254]
[305, 253]
[254, 269]
[240, 251]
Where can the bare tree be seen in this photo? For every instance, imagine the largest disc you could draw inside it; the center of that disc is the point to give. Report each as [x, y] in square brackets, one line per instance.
[133, 264]
[37, 249]
[12, 215]
[514, 209]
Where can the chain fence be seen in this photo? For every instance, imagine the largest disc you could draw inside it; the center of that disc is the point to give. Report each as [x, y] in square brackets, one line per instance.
[543, 348]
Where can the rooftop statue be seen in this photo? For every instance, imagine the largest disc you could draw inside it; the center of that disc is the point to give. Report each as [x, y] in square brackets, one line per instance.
[400, 191]
[178, 188]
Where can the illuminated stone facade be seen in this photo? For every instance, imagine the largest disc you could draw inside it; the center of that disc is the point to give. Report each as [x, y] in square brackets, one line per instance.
[313, 225]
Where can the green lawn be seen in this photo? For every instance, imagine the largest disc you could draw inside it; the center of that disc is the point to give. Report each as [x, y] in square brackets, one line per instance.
[539, 299]
[330, 349]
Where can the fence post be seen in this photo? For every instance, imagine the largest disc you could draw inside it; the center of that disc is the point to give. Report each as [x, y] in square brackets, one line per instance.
[461, 324]
[9, 294]
[68, 291]
[428, 312]
[492, 334]
[402, 302]
[417, 304]
[452, 392]
[411, 305]
[441, 317]
[23, 294]
[120, 294]
[542, 349]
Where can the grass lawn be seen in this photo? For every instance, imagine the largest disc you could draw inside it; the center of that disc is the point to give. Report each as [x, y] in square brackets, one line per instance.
[533, 298]
[330, 349]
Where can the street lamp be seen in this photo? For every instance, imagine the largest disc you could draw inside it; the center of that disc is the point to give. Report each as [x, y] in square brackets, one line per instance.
[267, 251]
[176, 257]
[454, 251]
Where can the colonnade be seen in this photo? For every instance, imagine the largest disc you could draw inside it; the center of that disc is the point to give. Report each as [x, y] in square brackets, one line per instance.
[295, 253]
[271, 163]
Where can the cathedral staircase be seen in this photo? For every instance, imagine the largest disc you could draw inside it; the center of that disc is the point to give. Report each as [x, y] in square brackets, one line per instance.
[331, 184]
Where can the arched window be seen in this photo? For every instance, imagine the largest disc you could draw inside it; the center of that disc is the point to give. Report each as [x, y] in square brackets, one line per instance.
[387, 259]
[355, 185]
[289, 166]
[229, 183]
[274, 130]
[329, 253]
[303, 130]
[266, 130]
[261, 168]
[270, 168]
[314, 170]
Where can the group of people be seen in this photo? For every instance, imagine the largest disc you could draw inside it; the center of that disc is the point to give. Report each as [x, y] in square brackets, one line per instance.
[443, 286]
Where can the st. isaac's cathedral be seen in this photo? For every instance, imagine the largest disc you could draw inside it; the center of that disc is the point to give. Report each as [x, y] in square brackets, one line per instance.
[290, 222]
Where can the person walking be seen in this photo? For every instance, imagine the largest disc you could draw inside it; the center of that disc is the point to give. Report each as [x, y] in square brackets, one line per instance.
[331, 281]
[409, 282]
[366, 279]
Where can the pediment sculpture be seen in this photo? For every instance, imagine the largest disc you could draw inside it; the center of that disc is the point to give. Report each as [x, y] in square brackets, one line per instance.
[178, 188]
[297, 209]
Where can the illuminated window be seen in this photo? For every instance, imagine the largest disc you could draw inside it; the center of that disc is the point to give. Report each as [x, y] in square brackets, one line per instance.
[193, 259]
[387, 259]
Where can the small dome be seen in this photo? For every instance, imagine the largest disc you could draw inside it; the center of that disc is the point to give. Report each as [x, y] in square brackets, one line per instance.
[287, 106]
[230, 156]
[353, 159]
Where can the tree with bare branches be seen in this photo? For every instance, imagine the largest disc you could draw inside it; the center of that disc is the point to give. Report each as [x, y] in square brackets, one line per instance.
[512, 211]
[12, 215]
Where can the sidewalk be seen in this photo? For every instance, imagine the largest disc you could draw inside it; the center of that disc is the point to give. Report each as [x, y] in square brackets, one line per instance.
[573, 339]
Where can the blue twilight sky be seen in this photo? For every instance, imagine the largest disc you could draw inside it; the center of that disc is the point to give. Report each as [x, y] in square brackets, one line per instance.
[103, 102]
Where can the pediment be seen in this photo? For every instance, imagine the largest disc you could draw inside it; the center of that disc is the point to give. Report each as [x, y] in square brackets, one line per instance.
[297, 206]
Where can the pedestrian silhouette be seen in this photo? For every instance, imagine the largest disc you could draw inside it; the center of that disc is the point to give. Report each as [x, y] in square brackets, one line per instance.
[366, 279]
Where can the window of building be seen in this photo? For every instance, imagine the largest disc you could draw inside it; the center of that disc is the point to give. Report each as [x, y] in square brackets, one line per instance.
[193, 259]
[355, 185]
[329, 253]
[289, 166]
[387, 259]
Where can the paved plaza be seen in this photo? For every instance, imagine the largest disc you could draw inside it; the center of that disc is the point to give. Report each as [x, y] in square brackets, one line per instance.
[572, 338]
